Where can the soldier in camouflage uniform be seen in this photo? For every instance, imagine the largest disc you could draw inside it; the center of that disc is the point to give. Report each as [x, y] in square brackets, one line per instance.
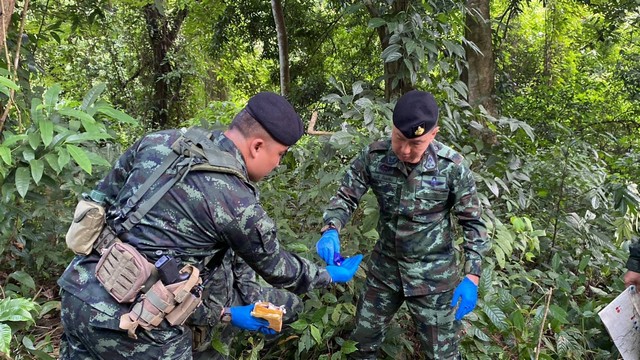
[632, 276]
[235, 284]
[419, 183]
[196, 221]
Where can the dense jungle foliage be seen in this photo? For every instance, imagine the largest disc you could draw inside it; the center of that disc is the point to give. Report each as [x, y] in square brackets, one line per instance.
[554, 144]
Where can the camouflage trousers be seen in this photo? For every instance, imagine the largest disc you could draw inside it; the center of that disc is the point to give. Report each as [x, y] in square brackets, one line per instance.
[90, 334]
[433, 316]
[203, 335]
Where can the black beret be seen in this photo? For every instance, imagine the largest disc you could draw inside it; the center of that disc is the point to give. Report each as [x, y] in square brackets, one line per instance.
[277, 116]
[415, 114]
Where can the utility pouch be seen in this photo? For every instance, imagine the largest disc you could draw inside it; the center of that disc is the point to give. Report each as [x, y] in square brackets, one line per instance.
[175, 302]
[181, 312]
[88, 221]
[123, 271]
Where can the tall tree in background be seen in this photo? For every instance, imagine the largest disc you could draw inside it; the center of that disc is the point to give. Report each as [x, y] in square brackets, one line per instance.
[394, 86]
[5, 17]
[283, 46]
[163, 30]
[480, 76]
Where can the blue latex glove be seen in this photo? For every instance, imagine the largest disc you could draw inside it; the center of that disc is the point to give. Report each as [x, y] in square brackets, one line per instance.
[467, 293]
[241, 317]
[328, 246]
[345, 272]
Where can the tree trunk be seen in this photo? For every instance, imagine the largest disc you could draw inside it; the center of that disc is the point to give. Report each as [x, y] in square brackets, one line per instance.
[6, 10]
[480, 77]
[283, 47]
[162, 35]
[390, 68]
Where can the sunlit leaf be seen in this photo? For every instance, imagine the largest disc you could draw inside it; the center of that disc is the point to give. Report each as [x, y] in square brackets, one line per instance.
[46, 131]
[23, 179]
[80, 157]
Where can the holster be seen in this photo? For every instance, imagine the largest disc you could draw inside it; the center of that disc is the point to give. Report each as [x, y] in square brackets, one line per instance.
[173, 302]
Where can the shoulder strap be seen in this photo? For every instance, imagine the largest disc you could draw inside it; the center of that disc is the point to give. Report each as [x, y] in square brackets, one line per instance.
[194, 143]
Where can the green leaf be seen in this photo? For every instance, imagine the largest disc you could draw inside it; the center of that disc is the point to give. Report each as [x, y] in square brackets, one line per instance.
[63, 157]
[84, 137]
[37, 114]
[80, 157]
[46, 131]
[376, 22]
[51, 95]
[558, 313]
[391, 49]
[315, 333]
[23, 178]
[517, 320]
[496, 315]
[392, 57]
[5, 339]
[13, 139]
[341, 138]
[34, 140]
[80, 115]
[28, 343]
[48, 306]
[100, 161]
[584, 261]
[92, 95]
[8, 83]
[52, 160]
[28, 154]
[37, 169]
[219, 346]
[348, 347]
[335, 315]
[299, 325]
[116, 114]
[5, 154]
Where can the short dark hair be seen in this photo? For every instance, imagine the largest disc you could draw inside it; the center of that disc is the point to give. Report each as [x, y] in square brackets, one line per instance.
[247, 125]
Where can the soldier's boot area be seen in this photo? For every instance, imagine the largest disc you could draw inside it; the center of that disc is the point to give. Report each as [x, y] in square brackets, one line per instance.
[376, 308]
[433, 316]
[436, 327]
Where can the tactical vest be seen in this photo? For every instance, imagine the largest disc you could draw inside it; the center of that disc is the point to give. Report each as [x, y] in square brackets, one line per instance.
[125, 273]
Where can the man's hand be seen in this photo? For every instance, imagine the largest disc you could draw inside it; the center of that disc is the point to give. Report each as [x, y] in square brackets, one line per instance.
[345, 272]
[328, 246]
[241, 317]
[467, 293]
[632, 278]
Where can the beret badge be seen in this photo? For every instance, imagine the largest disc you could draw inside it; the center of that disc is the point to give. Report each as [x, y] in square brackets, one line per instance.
[419, 130]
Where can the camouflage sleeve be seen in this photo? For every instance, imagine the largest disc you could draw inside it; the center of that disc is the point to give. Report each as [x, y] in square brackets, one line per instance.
[244, 279]
[354, 185]
[468, 210]
[115, 179]
[633, 264]
[252, 235]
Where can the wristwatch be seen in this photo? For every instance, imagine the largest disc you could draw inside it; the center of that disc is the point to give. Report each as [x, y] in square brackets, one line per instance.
[226, 315]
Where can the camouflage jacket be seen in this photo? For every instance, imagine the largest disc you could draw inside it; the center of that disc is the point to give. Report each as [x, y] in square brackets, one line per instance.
[235, 283]
[199, 218]
[633, 263]
[415, 252]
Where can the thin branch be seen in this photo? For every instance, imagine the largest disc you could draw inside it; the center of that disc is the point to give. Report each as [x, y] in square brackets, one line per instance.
[16, 62]
[4, 39]
[312, 124]
[44, 17]
[544, 319]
